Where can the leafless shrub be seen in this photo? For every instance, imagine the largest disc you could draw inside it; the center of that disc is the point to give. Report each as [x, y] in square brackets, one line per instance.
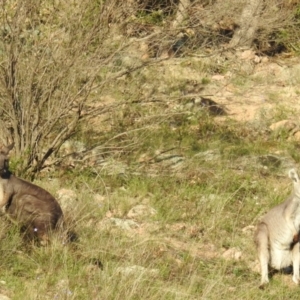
[265, 25]
[216, 23]
[55, 57]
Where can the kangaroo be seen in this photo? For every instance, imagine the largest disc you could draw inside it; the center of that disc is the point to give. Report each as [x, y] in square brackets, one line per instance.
[277, 235]
[30, 206]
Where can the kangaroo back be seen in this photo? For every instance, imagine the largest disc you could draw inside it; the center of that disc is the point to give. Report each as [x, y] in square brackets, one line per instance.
[30, 206]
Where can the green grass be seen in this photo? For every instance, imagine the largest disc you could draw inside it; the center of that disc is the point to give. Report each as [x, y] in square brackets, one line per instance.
[221, 187]
[208, 180]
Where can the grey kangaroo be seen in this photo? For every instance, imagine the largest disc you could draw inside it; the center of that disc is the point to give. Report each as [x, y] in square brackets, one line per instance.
[34, 209]
[277, 235]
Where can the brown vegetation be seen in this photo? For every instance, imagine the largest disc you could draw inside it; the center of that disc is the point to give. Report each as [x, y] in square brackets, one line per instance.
[56, 59]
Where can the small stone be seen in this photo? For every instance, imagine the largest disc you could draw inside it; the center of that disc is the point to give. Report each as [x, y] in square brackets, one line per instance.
[141, 210]
[283, 124]
[249, 228]
[67, 198]
[99, 200]
[232, 253]
[247, 54]
[63, 287]
[218, 77]
[257, 59]
[137, 270]
[270, 160]
[124, 224]
[254, 266]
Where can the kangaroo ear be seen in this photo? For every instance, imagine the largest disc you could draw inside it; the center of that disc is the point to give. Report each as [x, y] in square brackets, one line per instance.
[10, 146]
[293, 175]
[6, 149]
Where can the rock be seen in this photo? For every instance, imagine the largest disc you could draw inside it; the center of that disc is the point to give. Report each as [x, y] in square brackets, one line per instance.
[218, 77]
[124, 224]
[140, 211]
[67, 198]
[248, 229]
[257, 59]
[275, 161]
[169, 160]
[113, 167]
[232, 254]
[130, 61]
[63, 288]
[209, 155]
[72, 146]
[210, 198]
[246, 162]
[247, 67]
[270, 160]
[254, 266]
[137, 270]
[99, 200]
[72, 151]
[247, 55]
[287, 125]
[210, 105]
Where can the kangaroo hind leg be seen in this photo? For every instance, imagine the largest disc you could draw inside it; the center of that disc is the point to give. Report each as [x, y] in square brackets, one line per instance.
[262, 244]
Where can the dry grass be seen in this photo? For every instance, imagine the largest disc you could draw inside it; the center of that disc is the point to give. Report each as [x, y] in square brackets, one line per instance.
[208, 179]
[204, 207]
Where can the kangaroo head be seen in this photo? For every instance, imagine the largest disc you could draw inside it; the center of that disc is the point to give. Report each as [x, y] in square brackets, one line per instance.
[4, 159]
[294, 176]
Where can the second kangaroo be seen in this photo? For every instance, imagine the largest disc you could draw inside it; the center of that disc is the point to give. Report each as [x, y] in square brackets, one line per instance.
[277, 235]
[30, 206]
